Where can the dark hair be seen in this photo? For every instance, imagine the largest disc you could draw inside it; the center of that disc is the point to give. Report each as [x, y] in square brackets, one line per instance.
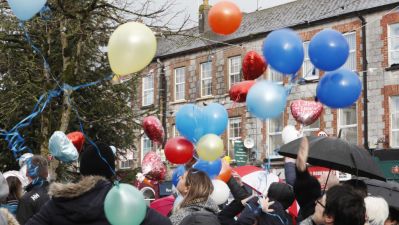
[15, 187]
[345, 206]
[91, 164]
[282, 193]
[38, 167]
[393, 214]
[359, 186]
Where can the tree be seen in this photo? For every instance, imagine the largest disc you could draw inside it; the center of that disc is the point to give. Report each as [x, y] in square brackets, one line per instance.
[72, 37]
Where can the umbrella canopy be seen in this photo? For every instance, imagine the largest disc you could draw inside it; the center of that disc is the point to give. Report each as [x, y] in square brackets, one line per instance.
[388, 190]
[336, 154]
[163, 205]
[256, 178]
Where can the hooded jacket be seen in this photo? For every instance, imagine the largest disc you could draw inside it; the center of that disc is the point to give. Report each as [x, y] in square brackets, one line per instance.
[208, 206]
[7, 218]
[82, 203]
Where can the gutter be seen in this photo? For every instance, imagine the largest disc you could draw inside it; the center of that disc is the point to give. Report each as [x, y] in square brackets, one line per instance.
[162, 98]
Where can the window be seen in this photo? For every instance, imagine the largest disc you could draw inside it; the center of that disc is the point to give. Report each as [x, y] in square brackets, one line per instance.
[394, 111]
[206, 79]
[234, 70]
[309, 72]
[275, 76]
[308, 130]
[234, 131]
[393, 44]
[148, 90]
[180, 83]
[146, 145]
[274, 134]
[347, 122]
[127, 161]
[351, 61]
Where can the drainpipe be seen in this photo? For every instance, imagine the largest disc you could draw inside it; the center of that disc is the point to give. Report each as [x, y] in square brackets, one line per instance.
[162, 98]
[364, 69]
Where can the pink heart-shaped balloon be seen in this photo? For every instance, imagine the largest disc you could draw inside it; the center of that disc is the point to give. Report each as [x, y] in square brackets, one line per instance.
[153, 167]
[306, 112]
[154, 129]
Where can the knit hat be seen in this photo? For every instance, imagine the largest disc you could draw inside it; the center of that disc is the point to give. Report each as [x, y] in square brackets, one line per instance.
[3, 188]
[92, 164]
[282, 193]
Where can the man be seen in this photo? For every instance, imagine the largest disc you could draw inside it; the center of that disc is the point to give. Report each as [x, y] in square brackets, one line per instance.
[36, 192]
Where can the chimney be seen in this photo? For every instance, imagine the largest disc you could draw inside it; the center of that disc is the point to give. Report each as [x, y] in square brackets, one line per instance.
[203, 17]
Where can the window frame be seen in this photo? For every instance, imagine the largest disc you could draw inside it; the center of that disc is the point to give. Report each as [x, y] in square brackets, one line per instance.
[269, 75]
[390, 63]
[144, 79]
[307, 59]
[143, 137]
[208, 78]
[351, 50]
[231, 140]
[273, 133]
[230, 74]
[180, 83]
[391, 130]
[339, 126]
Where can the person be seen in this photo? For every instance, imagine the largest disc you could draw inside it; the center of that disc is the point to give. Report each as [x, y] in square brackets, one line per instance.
[83, 202]
[15, 193]
[317, 218]
[36, 192]
[358, 185]
[6, 218]
[377, 210]
[328, 180]
[196, 206]
[393, 217]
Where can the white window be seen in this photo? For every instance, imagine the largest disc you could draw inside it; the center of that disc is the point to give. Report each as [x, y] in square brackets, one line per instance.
[234, 131]
[394, 111]
[175, 131]
[146, 145]
[275, 76]
[180, 83]
[206, 79]
[309, 130]
[393, 44]
[126, 161]
[309, 72]
[275, 129]
[234, 70]
[148, 90]
[351, 61]
[347, 123]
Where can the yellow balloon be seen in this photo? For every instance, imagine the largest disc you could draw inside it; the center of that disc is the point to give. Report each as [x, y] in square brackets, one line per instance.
[131, 48]
[227, 159]
[210, 147]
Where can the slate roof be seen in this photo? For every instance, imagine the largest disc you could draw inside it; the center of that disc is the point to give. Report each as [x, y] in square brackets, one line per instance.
[261, 22]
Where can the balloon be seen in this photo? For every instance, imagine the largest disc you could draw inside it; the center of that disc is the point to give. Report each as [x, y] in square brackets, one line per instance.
[26, 9]
[210, 168]
[153, 167]
[266, 100]
[328, 50]
[339, 89]
[238, 92]
[131, 48]
[306, 112]
[62, 148]
[78, 139]
[153, 129]
[224, 18]
[215, 119]
[119, 203]
[179, 150]
[225, 172]
[253, 65]
[177, 173]
[289, 134]
[227, 159]
[210, 147]
[220, 192]
[283, 50]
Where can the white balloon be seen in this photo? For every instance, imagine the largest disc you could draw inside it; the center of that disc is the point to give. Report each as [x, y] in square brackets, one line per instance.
[289, 134]
[220, 192]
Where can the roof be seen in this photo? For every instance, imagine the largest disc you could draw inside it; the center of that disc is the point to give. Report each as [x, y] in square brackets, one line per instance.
[292, 14]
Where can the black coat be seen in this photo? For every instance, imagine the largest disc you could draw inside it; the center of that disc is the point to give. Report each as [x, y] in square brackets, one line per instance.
[82, 203]
[31, 202]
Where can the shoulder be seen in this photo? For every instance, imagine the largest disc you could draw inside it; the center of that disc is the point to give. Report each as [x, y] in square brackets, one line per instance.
[9, 217]
[72, 190]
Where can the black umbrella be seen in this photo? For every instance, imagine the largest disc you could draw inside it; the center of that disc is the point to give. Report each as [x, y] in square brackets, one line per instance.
[388, 190]
[336, 154]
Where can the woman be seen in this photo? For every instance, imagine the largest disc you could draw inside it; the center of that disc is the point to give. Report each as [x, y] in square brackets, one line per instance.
[195, 187]
[15, 193]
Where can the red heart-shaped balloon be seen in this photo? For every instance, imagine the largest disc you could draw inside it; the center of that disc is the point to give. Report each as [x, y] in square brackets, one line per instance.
[153, 167]
[153, 129]
[238, 92]
[253, 65]
[78, 139]
[306, 112]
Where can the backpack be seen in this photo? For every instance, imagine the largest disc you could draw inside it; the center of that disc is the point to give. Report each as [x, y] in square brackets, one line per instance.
[201, 217]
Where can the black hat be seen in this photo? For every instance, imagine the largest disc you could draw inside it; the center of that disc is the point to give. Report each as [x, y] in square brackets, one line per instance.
[282, 193]
[92, 164]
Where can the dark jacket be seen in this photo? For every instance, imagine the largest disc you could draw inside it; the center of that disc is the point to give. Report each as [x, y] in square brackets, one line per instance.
[208, 206]
[81, 203]
[226, 216]
[32, 201]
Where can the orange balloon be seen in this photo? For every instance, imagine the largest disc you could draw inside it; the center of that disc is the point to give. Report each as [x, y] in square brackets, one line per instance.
[225, 172]
[224, 18]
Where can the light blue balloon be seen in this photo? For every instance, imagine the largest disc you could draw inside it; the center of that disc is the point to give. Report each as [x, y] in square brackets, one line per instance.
[266, 100]
[188, 120]
[62, 148]
[211, 168]
[215, 119]
[26, 9]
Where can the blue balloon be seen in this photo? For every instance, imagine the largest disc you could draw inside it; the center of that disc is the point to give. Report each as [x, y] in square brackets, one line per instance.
[339, 89]
[266, 99]
[328, 50]
[177, 173]
[216, 119]
[188, 121]
[211, 168]
[26, 9]
[283, 50]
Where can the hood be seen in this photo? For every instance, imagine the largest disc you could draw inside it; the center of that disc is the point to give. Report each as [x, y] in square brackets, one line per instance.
[209, 205]
[82, 201]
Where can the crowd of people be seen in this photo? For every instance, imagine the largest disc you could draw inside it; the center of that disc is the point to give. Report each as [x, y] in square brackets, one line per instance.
[322, 201]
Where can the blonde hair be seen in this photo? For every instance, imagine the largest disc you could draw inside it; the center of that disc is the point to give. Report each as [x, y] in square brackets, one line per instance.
[199, 186]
